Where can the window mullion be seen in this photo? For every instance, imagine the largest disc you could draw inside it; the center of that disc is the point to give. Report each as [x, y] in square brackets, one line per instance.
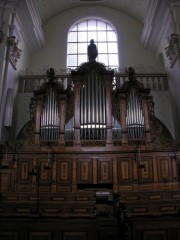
[85, 29]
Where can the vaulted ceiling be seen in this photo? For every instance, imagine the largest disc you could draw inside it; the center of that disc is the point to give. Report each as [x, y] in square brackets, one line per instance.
[50, 8]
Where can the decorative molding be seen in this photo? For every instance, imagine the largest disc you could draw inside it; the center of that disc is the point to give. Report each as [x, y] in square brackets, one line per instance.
[27, 18]
[13, 51]
[30, 24]
[154, 24]
[172, 50]
[159, 22]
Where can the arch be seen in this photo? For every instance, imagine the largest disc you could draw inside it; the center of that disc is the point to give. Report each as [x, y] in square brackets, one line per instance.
[104, 36]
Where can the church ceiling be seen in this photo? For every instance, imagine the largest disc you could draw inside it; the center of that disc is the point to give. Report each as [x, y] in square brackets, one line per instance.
[49, 9]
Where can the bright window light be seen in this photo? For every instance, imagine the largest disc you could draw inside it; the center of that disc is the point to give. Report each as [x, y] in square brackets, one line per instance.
[104, 37]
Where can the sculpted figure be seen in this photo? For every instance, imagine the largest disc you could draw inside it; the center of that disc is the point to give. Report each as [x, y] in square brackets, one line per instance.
[92, 51]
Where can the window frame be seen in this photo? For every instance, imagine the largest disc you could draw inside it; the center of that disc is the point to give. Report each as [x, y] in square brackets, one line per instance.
[109, 58]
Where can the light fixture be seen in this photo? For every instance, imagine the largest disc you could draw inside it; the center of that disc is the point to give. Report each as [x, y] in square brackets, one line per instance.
[51, 158]
[34, 171]
[137, 156]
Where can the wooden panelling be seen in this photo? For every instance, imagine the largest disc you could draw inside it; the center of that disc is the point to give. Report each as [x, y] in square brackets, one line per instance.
[23, 188]
[155, 197]
[6, 181]
[94, 171]
[64, 171]
[125, 170]
[24, 166]
[178, 234]
[63, 188]
[140, 210]
[145, 174]
[67, 173]
[75, 236]
[164, 169]
[156, 228]
[45, 175]
[40, 236]
[155, 235]
[43, 229]
[105, 171]
[84, 171]
[166, 209]
[9, 235]
[140, 228]
[175, 172]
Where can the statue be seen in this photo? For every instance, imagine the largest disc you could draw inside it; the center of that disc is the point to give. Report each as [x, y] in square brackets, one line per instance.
[14, 52]
[92, 51]
[51, 74]
[131, 74]
[172, 50]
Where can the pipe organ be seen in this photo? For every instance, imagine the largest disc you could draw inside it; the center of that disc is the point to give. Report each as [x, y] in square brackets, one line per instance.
[97, 115]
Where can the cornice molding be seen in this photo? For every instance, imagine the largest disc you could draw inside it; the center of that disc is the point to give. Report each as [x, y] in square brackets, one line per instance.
[30, 24]
[28, 20]
[158, 22]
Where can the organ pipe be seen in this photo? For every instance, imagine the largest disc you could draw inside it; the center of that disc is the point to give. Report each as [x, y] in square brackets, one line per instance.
[49, 118]
[93, 114]
[134, 119]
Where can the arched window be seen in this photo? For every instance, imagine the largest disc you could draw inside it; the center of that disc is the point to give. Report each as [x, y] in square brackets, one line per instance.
[104, 37]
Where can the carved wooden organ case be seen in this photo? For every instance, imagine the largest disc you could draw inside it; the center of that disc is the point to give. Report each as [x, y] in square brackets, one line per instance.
[92, 134]
[92, 111]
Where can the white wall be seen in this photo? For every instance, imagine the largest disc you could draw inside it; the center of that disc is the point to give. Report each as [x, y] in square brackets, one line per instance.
[131, 52]
[9, 77]
[21, 111]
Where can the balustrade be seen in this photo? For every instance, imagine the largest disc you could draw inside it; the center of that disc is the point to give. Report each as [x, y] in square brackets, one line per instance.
[154, 81]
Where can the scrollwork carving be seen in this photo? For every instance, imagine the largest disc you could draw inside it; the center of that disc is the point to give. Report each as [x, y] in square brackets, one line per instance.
[13, 52]
[172, 50]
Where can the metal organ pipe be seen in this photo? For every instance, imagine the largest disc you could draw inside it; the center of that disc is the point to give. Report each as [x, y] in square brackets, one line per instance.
[89, 100]
[97, 103]
[49, 118]
[93, 117]
[93, 98]
[134, 118]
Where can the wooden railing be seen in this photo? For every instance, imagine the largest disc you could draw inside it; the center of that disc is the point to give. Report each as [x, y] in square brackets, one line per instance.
[154, 81]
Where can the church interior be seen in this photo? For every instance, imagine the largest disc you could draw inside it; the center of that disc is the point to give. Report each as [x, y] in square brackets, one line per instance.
[89, 119]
